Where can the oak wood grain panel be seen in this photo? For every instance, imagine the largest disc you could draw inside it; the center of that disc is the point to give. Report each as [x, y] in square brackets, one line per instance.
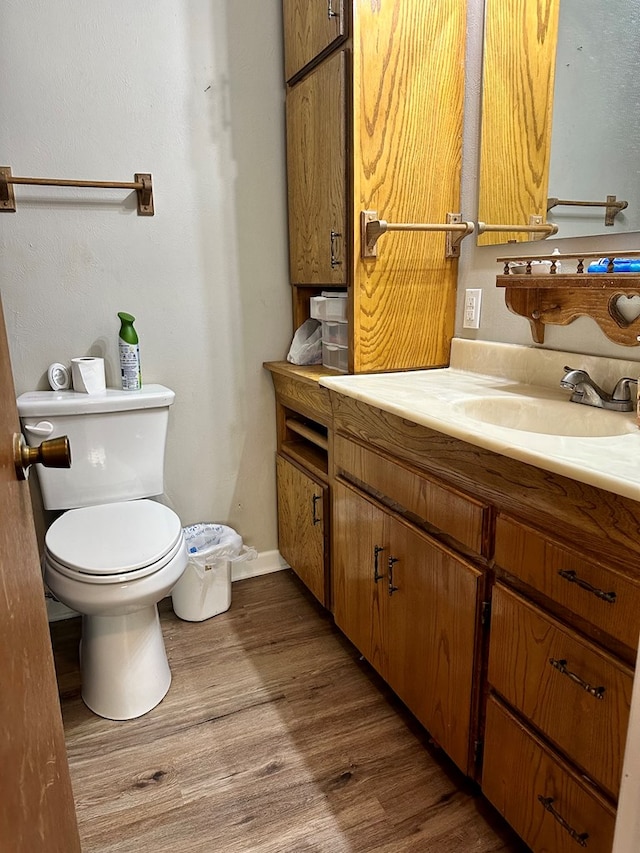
[517, 107]
[589, 731]
[302, 511]
[432, 636]
[273, 737]
[309, 30]
[510, 747]
[537, 559]
[299, 390]
[36, 801]
[316, 174]
[360, 542]
[408, 80]
[599, 520]
[456, 514]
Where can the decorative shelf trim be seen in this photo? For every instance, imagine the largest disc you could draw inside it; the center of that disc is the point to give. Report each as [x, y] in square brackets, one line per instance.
[611, 299]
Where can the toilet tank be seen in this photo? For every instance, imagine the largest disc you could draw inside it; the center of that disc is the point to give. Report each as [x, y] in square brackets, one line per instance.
[117, 441]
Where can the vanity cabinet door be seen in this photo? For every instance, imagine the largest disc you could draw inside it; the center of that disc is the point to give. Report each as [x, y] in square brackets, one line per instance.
[409, 605]
[316, 183]
[431, 637]
[360, 534]
[302, 510]
[310, 28]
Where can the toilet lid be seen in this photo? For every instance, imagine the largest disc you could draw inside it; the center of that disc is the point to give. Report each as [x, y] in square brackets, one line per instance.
[114, 538]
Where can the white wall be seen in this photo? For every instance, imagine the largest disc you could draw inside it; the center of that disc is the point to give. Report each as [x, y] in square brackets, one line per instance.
[191, 92]
[478, 267]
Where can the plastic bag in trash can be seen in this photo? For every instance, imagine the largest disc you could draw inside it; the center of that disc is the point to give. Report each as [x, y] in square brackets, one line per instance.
[204, 590]
[208, 544]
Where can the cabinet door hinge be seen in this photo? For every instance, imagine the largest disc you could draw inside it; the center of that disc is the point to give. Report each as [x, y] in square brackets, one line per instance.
[485, 612]
[477, 751]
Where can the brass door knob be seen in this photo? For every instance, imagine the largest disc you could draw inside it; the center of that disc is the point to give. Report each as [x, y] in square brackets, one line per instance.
[52, 453]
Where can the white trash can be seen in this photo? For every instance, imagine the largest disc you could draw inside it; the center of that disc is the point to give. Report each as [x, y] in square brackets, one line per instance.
[204, 590]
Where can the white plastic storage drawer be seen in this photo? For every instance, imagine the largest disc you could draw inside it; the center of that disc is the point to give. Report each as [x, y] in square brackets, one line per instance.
[335, 332]
[335, 356]
[329, 307]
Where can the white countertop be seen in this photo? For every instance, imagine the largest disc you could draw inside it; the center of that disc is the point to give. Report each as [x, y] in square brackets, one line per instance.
[506, 382]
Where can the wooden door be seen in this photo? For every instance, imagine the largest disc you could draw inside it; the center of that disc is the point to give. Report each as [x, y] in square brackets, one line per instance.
[302, 510]
[36, 801]
[310, 28]
[360, 537]
[431, 638]
[315, 117]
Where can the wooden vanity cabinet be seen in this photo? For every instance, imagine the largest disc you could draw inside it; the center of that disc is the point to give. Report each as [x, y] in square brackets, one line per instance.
[560, 684]
[374, 101]
[410, 605]
[303, 418]
[559, 581]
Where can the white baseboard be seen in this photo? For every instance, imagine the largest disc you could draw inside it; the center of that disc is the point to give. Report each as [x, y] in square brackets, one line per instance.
[265, 563]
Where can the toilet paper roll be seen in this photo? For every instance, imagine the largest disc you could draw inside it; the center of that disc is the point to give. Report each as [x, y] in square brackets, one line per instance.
[87, 375]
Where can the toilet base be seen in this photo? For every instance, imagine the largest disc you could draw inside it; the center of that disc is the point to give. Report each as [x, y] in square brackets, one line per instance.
[124, 666]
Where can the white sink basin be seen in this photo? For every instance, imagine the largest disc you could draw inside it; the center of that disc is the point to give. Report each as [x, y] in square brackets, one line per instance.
[549, 417]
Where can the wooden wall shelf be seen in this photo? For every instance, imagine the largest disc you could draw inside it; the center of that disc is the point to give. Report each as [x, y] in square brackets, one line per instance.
[558, 298]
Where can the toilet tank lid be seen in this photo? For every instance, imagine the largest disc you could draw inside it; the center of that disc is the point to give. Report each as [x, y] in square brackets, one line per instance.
[38, 404]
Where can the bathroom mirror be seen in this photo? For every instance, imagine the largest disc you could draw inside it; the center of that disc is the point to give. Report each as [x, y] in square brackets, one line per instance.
[560, 117]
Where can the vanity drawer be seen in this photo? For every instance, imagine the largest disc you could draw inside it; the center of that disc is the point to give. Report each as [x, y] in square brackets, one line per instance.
[575, 694]
[457, 515]
[601, 595]
[549, 805]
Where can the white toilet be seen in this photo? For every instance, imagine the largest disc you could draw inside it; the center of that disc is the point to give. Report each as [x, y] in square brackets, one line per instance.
[114, 554]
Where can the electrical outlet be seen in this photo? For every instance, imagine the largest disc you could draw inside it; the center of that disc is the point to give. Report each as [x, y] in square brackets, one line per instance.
[472, 302]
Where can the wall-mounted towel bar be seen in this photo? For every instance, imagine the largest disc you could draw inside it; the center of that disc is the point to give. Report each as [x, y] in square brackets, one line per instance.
[371, 228]
[141, 184]
[612, 206]
[538, 230]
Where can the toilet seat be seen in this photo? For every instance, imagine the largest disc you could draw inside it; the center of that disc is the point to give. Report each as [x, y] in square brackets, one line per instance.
[110, 543]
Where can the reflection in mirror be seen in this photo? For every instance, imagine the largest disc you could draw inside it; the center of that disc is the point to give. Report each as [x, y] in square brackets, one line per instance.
[575, 61]
[517, 88]
[596, 117]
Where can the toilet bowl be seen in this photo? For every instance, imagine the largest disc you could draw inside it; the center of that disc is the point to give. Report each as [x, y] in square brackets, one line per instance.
[113, 563]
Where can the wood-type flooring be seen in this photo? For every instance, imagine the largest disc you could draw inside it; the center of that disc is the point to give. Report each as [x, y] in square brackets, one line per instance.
[275, 737]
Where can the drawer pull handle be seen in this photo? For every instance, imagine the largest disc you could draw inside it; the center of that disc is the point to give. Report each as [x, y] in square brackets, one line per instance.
[580, 837]
[392, 588]
[572, 577]
[315, 499]
[561, 666]
[376, 574]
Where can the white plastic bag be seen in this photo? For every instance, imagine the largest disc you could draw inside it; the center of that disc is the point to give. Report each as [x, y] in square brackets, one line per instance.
[306, 347]
[210, 545]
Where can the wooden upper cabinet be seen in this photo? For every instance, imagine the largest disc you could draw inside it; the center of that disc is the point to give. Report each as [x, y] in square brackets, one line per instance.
[310, 28]
[315, 110]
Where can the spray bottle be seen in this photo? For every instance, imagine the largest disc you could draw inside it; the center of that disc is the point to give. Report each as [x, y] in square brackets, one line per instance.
[129, 354]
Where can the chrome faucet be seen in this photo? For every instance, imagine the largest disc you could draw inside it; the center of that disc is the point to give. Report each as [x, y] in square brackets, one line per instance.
[586, 391]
